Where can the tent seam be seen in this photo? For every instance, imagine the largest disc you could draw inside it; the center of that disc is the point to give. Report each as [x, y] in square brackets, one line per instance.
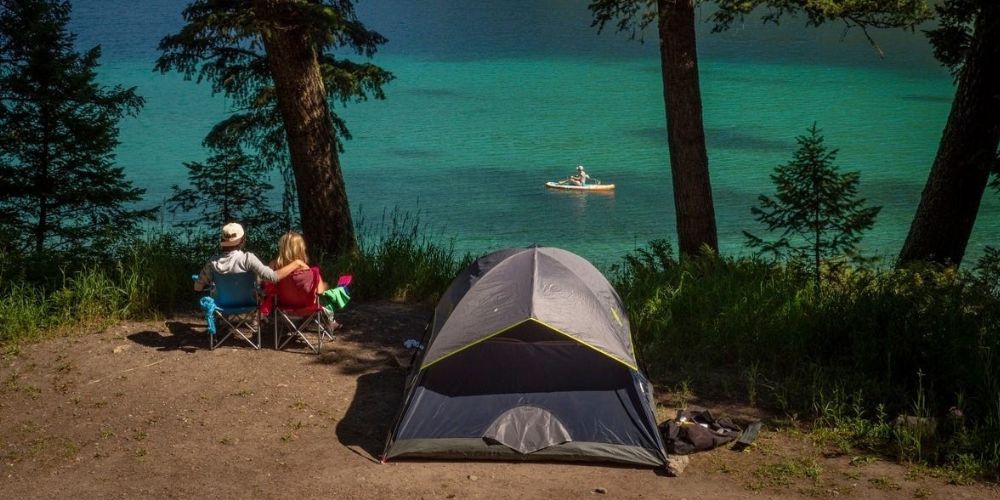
[575, 339]
[481, 340]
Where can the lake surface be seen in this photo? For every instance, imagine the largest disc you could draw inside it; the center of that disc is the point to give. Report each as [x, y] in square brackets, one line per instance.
[493, 98]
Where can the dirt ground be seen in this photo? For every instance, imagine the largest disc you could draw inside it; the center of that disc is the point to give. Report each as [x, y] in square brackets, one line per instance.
[146, 409]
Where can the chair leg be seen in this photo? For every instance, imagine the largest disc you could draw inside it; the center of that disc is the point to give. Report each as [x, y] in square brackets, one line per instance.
[259, 327]
[298, 329]
[245, 326]
[218, 338]
[320, 331]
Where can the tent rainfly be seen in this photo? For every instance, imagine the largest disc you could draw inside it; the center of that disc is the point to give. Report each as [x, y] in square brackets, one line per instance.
[529, 356]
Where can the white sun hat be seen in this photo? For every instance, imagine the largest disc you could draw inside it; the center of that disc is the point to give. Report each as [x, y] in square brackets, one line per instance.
[232, 235]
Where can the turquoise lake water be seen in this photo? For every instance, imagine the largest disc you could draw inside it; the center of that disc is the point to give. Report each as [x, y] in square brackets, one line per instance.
[494, 98]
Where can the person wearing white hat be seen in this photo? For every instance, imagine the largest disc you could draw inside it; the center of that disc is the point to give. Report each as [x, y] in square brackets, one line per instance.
[233, 259]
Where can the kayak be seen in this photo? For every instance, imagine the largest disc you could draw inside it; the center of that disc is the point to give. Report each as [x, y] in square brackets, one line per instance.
[587, 187]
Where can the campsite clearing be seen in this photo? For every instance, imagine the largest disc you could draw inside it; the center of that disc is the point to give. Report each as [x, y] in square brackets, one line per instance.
[146, 409]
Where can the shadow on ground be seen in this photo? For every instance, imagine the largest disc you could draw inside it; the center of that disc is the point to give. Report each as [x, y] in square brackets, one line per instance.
[373, 411]
[191, 336]
[180, 336]
[372, 346]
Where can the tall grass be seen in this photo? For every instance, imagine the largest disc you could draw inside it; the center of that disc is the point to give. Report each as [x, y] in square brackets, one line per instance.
[89, 296]
[52, 292]
[889, 339]
[400, 258]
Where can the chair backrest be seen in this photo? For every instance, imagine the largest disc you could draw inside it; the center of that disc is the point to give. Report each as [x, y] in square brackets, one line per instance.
[298, 290]
[235, 289]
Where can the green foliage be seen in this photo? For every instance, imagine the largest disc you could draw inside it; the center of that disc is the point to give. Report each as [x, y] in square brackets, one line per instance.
[863, 14]
[222, 42]
[952, 38]
[629, 16]
[988, 270]
[58, 131]
[632, 16]
[137, 278]
[229, 187]
[913, 341]
[815, 209]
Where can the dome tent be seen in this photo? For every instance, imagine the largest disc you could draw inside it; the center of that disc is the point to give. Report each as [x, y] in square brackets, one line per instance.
[529, 356]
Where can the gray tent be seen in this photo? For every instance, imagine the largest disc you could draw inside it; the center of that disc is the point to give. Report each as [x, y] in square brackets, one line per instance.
[529, 356]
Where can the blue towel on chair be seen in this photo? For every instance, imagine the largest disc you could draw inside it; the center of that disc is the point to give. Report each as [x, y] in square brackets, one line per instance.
[208, 305]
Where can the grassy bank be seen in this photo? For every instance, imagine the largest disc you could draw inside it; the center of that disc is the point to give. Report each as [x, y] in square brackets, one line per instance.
[870, 346]
[398, 259]
[51, 293]
[902, 363]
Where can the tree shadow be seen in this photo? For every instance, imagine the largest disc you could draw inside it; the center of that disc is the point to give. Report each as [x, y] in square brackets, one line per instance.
[371, 347]
[373, 409]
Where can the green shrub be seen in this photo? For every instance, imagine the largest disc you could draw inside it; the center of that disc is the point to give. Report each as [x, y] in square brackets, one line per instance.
[916, 342]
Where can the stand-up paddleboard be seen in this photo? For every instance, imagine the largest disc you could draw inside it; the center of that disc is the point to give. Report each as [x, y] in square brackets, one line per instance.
[573, 187]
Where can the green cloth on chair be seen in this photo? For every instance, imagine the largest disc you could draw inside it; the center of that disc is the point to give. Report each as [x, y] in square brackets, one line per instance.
[335, 298]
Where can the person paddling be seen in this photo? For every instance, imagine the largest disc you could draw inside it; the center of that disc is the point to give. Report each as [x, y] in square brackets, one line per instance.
[581, 177]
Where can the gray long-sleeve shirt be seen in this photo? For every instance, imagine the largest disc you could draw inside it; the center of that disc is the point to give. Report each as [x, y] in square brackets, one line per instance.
[235, 261]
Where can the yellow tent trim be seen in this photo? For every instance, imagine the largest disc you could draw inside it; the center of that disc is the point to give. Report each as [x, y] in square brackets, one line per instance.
[612, 356]
[546, 325]
[484, 339]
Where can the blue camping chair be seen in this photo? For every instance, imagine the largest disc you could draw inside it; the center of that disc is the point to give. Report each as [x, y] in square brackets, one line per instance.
[236, 309]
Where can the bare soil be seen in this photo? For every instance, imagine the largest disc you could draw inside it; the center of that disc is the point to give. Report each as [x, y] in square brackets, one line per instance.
[146, 409]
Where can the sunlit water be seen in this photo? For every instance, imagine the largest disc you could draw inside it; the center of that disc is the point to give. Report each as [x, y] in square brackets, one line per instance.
[494, 98]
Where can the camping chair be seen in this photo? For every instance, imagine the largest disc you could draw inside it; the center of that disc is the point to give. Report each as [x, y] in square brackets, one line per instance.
[297, 312]
[235, 308]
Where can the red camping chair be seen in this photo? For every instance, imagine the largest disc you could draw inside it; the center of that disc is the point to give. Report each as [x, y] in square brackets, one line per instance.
[297, 313]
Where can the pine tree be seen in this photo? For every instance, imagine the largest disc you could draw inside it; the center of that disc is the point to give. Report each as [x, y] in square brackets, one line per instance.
[279, 62]
[815, 209]
[58, 130]
[228, 187]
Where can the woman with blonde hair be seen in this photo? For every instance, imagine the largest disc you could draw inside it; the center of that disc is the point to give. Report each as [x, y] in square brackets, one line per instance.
[291, 248]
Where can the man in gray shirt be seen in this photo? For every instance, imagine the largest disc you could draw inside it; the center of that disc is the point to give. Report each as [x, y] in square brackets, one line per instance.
[234, 260]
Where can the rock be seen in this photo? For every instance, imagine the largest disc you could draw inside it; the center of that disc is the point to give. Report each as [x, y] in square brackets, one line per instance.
[600, 491]
[473, 478]
[923, 426]
[676, 464]
[120, 349]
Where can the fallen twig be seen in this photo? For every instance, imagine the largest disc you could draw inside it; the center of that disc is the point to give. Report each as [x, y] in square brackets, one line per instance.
[128, 370]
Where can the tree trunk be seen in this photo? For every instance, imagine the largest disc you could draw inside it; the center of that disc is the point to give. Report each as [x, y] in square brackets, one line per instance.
[43, 181]
[948, 206]
[323, 207]
[685, 130]
[817, 233]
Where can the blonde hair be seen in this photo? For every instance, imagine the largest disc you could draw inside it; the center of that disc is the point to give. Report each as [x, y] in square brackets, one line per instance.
[291, 246]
